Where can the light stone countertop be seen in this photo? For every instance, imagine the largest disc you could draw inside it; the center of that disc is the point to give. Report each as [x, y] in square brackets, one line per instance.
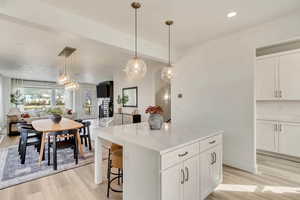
[167, 139]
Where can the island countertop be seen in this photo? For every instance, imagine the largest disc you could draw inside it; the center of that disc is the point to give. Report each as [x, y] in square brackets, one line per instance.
[162, 141]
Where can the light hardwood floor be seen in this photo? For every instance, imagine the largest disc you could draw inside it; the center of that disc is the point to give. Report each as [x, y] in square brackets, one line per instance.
[277, 180]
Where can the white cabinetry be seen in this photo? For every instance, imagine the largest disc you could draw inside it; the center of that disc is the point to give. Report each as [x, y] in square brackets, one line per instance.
[266, 78]
[276, 77]
[192, 172]
[210, 170]
[289, 138]
[278, 137]
[289, 70]
[266, 135]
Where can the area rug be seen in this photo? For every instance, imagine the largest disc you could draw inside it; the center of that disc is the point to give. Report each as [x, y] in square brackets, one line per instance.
[12, 172]
[1, 138]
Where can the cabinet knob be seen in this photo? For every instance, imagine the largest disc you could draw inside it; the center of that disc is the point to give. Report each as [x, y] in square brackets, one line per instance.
[212, 142]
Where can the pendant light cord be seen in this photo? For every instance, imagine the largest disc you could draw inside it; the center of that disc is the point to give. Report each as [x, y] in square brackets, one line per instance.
[135, 33]
[170, 45]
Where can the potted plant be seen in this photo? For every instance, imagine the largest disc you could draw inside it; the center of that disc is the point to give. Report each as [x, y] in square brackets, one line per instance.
[121, 101]
[56, 113]
[155, 119]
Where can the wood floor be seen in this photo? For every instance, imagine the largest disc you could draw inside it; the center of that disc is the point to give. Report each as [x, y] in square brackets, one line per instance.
[277, 180]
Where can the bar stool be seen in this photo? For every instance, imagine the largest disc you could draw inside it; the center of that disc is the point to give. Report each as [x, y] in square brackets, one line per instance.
[115, 160]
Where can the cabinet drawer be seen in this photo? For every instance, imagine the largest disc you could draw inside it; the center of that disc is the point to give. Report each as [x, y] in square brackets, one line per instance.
[210, 142]
[179, 155]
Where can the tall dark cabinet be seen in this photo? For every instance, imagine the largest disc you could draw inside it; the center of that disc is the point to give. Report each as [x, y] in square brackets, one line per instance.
[106, 90]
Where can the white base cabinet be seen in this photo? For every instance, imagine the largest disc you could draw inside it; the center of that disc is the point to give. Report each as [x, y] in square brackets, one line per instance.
[210, 170]
[190, 173]
[278, 137]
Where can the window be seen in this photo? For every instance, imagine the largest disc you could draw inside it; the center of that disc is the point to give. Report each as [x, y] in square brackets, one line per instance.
[40, 99]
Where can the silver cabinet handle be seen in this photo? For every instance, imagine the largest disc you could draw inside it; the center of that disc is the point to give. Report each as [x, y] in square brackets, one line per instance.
[212, 158]
[212, 142]
[215, 157]
[275, 93]
[184, 154]
[280, 93]
[187, 174]
[182, 177]
[280, 127]
[275, 127]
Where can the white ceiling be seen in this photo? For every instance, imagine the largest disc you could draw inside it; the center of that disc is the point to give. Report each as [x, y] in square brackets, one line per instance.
[195, 20]
[31, 53]
[30, 50]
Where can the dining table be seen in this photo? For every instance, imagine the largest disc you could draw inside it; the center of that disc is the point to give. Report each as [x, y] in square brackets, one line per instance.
[46, 126]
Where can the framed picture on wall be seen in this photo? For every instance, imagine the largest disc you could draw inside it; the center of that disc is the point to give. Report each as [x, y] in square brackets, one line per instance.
[131, 94]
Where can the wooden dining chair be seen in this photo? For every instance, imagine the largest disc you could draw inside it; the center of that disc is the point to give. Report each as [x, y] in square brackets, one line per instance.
[62, 140]
[115, 160]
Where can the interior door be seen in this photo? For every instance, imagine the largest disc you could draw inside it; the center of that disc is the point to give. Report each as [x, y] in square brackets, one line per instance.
[289, 139]
[190, 188]
[266, 136]
[205, 183]
[172, 181]
[266, 78]
[289, 70]
[216, 166]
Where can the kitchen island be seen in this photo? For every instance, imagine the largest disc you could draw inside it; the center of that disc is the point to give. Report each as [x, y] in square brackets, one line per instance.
[174, 163]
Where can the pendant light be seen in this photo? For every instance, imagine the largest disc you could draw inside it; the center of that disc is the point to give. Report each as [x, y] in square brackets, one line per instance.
[64, 78]
[136, 68]
[167, 72]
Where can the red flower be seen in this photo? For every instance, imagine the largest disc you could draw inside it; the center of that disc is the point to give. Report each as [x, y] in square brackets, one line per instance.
[154, 110]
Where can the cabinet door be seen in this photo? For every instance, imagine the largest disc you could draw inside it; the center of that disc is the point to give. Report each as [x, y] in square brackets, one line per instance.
[172, 180]
[190, 188]
[205, 183]
[289, 70]
[266, 78]
[289, 139]
[266, 136]
[216, 166]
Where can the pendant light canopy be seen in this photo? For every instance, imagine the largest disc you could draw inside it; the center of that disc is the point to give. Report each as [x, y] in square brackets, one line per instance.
[65, 79]
[167, 72]
[136, 68]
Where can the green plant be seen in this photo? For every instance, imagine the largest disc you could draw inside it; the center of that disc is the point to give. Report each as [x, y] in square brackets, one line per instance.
[122, 100]
[17, 98]
[55, 111]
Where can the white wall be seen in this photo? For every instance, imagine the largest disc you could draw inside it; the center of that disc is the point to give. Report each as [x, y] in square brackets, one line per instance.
[217, 83]
[146, 90]
[85, 90]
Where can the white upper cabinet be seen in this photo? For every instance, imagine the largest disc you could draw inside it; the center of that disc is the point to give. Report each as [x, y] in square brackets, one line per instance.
[266, 78]
[277, 77]
[289, 138]
[289, 70]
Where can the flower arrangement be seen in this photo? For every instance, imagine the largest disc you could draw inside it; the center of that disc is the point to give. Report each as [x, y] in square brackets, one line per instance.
[154, 110]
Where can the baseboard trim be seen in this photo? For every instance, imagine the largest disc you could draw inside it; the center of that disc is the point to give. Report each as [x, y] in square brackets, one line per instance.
[248, 168]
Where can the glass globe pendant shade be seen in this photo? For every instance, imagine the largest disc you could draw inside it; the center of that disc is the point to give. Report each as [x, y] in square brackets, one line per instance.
[63, 79]
[167, 73]
[72, 85]
[136, 69]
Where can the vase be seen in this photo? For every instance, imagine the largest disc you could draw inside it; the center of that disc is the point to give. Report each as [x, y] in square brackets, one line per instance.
[56, 119]
[155, 121]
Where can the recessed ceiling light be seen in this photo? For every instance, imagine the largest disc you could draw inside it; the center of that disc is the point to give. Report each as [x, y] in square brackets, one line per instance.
[231, 14]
